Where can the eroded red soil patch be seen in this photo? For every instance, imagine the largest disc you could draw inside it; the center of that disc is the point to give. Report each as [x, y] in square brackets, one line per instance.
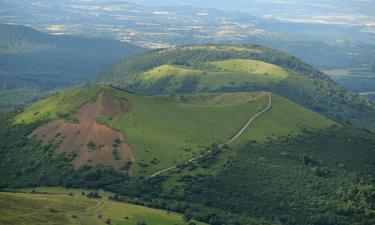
[93, 143]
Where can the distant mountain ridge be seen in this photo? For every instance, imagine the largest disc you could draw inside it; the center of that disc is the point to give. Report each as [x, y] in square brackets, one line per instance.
[36, 62]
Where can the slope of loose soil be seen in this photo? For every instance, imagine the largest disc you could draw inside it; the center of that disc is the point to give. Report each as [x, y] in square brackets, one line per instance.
[93, 143]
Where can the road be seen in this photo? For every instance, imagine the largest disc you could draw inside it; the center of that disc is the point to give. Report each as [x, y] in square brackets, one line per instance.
[234, 138]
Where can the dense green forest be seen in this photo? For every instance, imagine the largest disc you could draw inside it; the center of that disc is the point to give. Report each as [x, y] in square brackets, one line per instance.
[317, 178]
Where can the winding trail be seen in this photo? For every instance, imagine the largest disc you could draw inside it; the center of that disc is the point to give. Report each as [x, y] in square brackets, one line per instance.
[89, 211]
[234, 138]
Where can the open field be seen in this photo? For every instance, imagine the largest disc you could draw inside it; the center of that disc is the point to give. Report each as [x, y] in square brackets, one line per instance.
[56, 206]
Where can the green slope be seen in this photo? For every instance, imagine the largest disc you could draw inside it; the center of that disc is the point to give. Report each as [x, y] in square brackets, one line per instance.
[56, 206]
[215, 68]
[284, 118]
[167, 130]
[172, 130]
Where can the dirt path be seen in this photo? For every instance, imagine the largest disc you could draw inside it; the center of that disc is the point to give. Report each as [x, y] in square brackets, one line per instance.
[92, 211]
[250, 120]
[234, 138]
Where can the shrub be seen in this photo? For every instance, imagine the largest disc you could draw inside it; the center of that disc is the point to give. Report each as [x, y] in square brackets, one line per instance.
[141, 222]
[93, 194]
[92, 145]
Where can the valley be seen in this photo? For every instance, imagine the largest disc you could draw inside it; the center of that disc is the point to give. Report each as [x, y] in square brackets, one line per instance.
[359, 80]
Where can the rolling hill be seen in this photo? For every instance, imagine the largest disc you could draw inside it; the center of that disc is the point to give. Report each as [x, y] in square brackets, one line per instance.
[104, 137]
[60, 206]
[106, 126]
[34, 63]
[224, 68]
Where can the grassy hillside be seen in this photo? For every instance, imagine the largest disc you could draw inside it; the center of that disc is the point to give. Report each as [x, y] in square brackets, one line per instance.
[285, 118]
[166, 130]
[163, 130]
[36, 62]
[214, 68]
[68, 207]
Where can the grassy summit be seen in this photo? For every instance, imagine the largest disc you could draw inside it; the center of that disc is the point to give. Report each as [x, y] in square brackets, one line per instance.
[212, 76]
